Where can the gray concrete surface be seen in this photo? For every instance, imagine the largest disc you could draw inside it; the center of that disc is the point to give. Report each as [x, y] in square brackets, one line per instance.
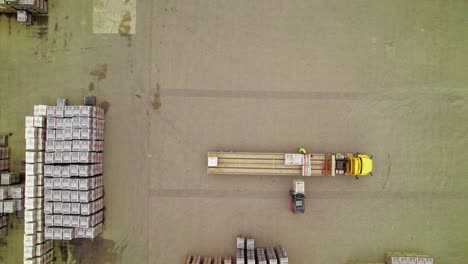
[380, 77]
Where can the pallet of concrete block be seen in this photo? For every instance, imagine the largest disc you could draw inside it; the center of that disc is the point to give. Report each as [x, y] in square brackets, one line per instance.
[260, 256]
[360, 262]
[240, 242]
[281, 255]
[4, 158]
[11, 199]
[6, 8]
[243, 242]
[400, 257]
[240, 256]
[250, 256]
[40, 253]
[34, 7]
[9, 178]
[271, 255]
[206, 260]
[69, 233]
[227, 260]
[24, 17]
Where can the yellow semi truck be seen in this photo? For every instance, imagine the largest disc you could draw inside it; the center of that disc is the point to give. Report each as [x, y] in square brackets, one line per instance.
[293, 164]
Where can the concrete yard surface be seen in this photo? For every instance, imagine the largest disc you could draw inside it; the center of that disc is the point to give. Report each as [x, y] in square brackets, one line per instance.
[387, 78]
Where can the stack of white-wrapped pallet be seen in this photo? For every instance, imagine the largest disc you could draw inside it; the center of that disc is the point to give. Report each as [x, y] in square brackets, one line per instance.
[11, 192]
[73, 170]
[36, 248]
[400, 257]
[246, 253]
[6, 8]
[4, 158]
[25, 9]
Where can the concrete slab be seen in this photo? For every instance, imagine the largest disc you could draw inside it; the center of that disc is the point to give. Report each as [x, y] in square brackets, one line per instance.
[386, 78]
[114, 17]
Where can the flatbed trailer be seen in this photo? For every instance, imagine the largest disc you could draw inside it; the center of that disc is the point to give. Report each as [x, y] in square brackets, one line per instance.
[289, 164]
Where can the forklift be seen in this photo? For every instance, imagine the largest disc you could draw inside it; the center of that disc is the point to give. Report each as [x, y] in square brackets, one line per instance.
[297, 197]
[297, 202]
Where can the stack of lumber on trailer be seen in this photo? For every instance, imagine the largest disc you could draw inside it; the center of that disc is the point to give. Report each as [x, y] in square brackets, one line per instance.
[251, 163]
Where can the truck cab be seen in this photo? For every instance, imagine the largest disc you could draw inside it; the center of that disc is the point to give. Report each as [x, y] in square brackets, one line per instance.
[359, 165]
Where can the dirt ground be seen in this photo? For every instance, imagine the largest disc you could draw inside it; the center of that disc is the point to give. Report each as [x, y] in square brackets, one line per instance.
[388, 78]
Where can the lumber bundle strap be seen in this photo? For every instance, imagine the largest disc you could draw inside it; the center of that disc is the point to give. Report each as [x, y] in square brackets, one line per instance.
[316, 164]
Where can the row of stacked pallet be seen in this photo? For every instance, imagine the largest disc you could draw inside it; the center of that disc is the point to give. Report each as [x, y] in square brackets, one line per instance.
[73, 181]
[246, 253]
[37, 249]
[25, 9]
[401, 257]
[11, 192]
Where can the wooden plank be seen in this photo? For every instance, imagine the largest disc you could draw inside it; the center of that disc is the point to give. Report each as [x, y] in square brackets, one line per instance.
[317, 167]
[207, 260]
[317, 156]
[254, 171]
[317, 173]
[246, 155]
[260, 166]
[196, 260]
[252, 161]
[263, 161]
[188, 260]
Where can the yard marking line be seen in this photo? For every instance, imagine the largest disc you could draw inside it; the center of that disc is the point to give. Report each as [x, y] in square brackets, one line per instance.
[356, 195]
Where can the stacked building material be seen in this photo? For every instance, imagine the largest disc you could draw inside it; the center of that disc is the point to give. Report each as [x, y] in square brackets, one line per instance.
[34, 7]
[252, 163]
[250, 256]
[11, 192]
[260, 256]
[73, 180]
[6, 8]
[227, 260]
[4, 159]
[246, 253]
[11, 197]
[36, 248]
[400, 257]
[282, 255]
[240, 256]
[358, 262]
[271, 255]
[25, 9]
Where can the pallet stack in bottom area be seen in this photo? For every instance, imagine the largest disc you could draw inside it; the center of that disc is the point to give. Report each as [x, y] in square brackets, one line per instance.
[400, 257]
[73, 180]
[36, 248]
[246, 253]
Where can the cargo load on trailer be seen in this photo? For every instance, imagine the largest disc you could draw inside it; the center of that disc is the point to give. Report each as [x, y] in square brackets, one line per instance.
[290, 164]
